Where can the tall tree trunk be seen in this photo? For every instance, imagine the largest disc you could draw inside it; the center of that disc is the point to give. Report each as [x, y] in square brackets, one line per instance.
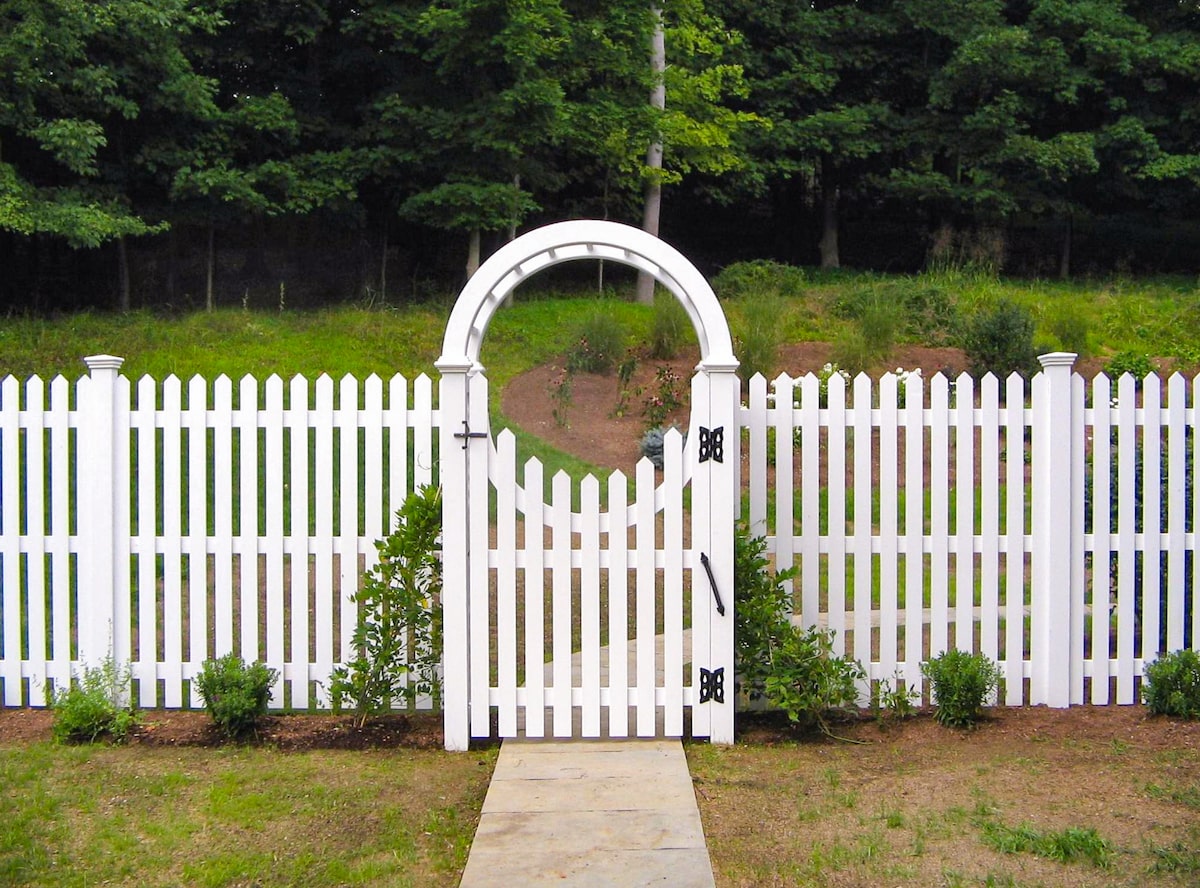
[654, 155]
[473, 253]
[1064, 257]
[124, 303]
[383, 266]
[830, 257]
[172, 264]
[210, 269]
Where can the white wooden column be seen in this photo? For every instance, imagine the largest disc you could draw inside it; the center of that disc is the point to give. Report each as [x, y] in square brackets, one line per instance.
[97, 484]
[1054, 537]
[720, 479]
[452, 407]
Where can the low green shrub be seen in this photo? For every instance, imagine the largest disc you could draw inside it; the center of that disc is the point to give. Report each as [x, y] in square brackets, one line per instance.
[398, 639]
[1000, 341]
[793, 669]
[92, 707]
[758, 277]
[1171, 685]
[961, 683]
[1071, 329]
[234, 693]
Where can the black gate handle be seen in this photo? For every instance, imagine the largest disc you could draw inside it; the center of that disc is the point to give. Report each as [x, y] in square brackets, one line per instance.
[712, 581]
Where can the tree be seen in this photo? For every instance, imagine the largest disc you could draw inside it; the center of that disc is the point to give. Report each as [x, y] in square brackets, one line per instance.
[83, 86]
[815, 72]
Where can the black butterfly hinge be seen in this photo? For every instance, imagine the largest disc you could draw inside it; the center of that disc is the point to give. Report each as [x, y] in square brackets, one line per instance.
[712, 444]
[712, 685]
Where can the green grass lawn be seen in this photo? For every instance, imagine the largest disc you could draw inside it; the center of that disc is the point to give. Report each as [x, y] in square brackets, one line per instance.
[140, 816]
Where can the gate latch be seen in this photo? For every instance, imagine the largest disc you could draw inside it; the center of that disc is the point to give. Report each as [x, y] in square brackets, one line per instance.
[467, 433]
[712, 685]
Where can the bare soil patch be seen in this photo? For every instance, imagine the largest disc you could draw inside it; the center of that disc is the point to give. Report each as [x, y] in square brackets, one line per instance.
[290, 733]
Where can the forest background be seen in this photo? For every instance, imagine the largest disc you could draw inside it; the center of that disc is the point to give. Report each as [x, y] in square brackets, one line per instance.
[174, 154]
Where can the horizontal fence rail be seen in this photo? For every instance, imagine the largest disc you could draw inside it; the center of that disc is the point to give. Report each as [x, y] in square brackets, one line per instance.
[1050, 524]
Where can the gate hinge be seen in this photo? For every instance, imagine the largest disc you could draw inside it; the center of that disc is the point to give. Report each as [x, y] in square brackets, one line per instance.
[712, 685]
[467, 433]
[712, 444]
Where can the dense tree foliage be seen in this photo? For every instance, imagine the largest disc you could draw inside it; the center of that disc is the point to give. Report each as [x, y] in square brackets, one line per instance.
[191, 151]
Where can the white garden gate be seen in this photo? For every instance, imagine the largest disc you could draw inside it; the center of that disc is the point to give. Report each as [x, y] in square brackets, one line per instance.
[636, 607]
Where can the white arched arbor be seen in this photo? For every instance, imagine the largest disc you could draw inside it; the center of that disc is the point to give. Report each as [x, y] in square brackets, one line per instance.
[465, 446]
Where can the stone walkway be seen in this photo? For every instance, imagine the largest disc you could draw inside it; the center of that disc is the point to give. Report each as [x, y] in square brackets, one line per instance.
[590, 813]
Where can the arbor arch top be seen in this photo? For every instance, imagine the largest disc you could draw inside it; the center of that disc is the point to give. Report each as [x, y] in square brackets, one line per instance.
[583, 239]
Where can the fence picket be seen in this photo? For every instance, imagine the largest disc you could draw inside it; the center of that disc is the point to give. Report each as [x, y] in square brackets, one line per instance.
[1102, 526]
[1127, 529]
[323, 549]
[35, 531]
[560, 600]
[644, 630]
[964, 513]
[300, 686]
[589, 601]
[276, 624]
[223, 509]
[10, 539]
[1177, 470]
[60, 530]
[1014, 558]
[836, 487]
[535, 600]
[171, 668]
[672, 549]
[889, 558]
[758, 418]
[505, 475]
[785, 533]
[939, 516]
[989, 515]
[618, 605]
[145, 669]
[195, 543]
[862, 542]
[349, 494]
[810, 500]
[914, 529]
[1151, 484]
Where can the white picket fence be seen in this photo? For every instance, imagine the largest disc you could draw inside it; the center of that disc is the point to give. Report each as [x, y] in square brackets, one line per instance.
[1027, 523]
[190, 521]
[163, 523]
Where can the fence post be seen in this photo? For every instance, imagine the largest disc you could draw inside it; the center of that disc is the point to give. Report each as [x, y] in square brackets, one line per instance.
[452, 408]
[1053, 538]
[96, 467]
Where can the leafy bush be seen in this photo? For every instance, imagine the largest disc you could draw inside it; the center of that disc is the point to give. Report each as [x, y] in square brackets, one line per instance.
[759, 277]
[1135, 364]
[961, 684]
[1171, 685]
[793, 669]
[599, 343]
[671, 327]
[398, 638]
[1000, 341]
[867, 344]
[235, 695]
[92, 707]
